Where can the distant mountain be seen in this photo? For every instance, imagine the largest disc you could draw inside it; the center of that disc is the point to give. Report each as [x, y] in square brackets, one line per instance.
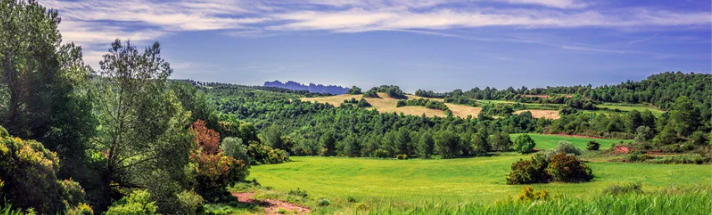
[312, 88]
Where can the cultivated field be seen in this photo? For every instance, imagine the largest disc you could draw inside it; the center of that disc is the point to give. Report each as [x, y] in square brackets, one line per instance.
[387, 104]
[479, 179]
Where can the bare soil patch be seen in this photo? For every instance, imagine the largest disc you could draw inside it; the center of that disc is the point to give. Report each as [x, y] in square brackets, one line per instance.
[271, 206]
[548, 114]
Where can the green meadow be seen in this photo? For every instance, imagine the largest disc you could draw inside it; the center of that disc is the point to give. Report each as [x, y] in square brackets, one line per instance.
[478, 180]
[545, 141]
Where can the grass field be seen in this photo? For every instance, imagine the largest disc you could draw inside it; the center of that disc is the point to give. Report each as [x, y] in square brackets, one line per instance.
[545, 141]
[480, 179]
[630, 107]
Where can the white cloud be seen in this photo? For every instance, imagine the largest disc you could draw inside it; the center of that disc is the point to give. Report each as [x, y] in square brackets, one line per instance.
[93, 22]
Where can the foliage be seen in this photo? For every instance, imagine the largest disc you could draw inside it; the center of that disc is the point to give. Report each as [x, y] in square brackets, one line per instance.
[189, 203]
[523, 143]
[263, 154]
[354, 90]
[28, 171]
[324, 202]
[528, 194]
[214, 170]
[81, 209]
[138, 202]
[233, 147]
[529, 171]
[618, 189]
[423, 102]
[568, 168]
[143, 125]
[567, 148]
[593, 145]
[381, 153]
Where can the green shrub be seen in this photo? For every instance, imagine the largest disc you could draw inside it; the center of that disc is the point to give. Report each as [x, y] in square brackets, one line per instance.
[72, 193]
[381, 153]
[593, 145]
[81, 209]
[529, 171]
[29, 174]
[618, 189]
[524, 144]
[568, 168]
[138, 202]
[323, 202]
[298, 192]
[233, 147]
[264, 154]
[402, 157]
[189, 203]
[567, 147]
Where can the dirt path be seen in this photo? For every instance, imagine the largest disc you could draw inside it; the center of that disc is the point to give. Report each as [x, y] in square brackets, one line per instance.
[272, 206]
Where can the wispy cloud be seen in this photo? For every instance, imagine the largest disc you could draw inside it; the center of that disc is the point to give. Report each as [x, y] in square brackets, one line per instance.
[92, 22]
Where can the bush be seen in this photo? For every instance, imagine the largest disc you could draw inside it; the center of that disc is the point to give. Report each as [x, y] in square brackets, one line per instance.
[138, 202]
[233, 147]
[524, 144]
[298, 192]
[81, 209]
[29, 174]
[215, 172]
[263, 154]
[593, 145]
[618, 189]
[72, 193]
[323, 202]
[529, 172]
[567, 147]
[381, 153]
[402, 157]
[568, 168]
[189, 203]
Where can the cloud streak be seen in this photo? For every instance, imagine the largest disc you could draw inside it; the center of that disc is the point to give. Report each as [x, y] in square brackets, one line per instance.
[93, 22]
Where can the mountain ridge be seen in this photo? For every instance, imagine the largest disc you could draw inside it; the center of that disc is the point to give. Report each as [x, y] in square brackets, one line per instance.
[312, 88]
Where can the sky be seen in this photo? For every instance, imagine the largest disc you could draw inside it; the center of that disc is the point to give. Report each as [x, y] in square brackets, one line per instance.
[428, 44]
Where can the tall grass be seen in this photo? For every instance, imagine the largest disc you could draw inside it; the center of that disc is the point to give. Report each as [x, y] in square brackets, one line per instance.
[686, 202]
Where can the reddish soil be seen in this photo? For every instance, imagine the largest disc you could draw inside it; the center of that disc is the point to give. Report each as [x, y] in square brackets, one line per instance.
[271, 206]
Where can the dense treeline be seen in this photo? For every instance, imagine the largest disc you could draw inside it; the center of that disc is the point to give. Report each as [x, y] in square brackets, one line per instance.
[660, 90]
[432, 104]
[390, 90]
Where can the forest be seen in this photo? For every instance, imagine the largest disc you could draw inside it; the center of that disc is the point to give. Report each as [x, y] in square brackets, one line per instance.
[125, 138]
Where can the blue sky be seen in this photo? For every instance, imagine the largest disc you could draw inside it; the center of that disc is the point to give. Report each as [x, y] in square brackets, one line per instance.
[430, 44]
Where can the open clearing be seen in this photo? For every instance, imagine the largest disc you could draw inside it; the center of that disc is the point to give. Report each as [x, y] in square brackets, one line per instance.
[387, 104]
[479, 179]
[549, 114]
[549, 141]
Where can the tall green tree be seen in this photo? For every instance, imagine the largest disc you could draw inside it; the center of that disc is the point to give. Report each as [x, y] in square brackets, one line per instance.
[683, 116]
[44, 86]
[426, 145]
[143, 126]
